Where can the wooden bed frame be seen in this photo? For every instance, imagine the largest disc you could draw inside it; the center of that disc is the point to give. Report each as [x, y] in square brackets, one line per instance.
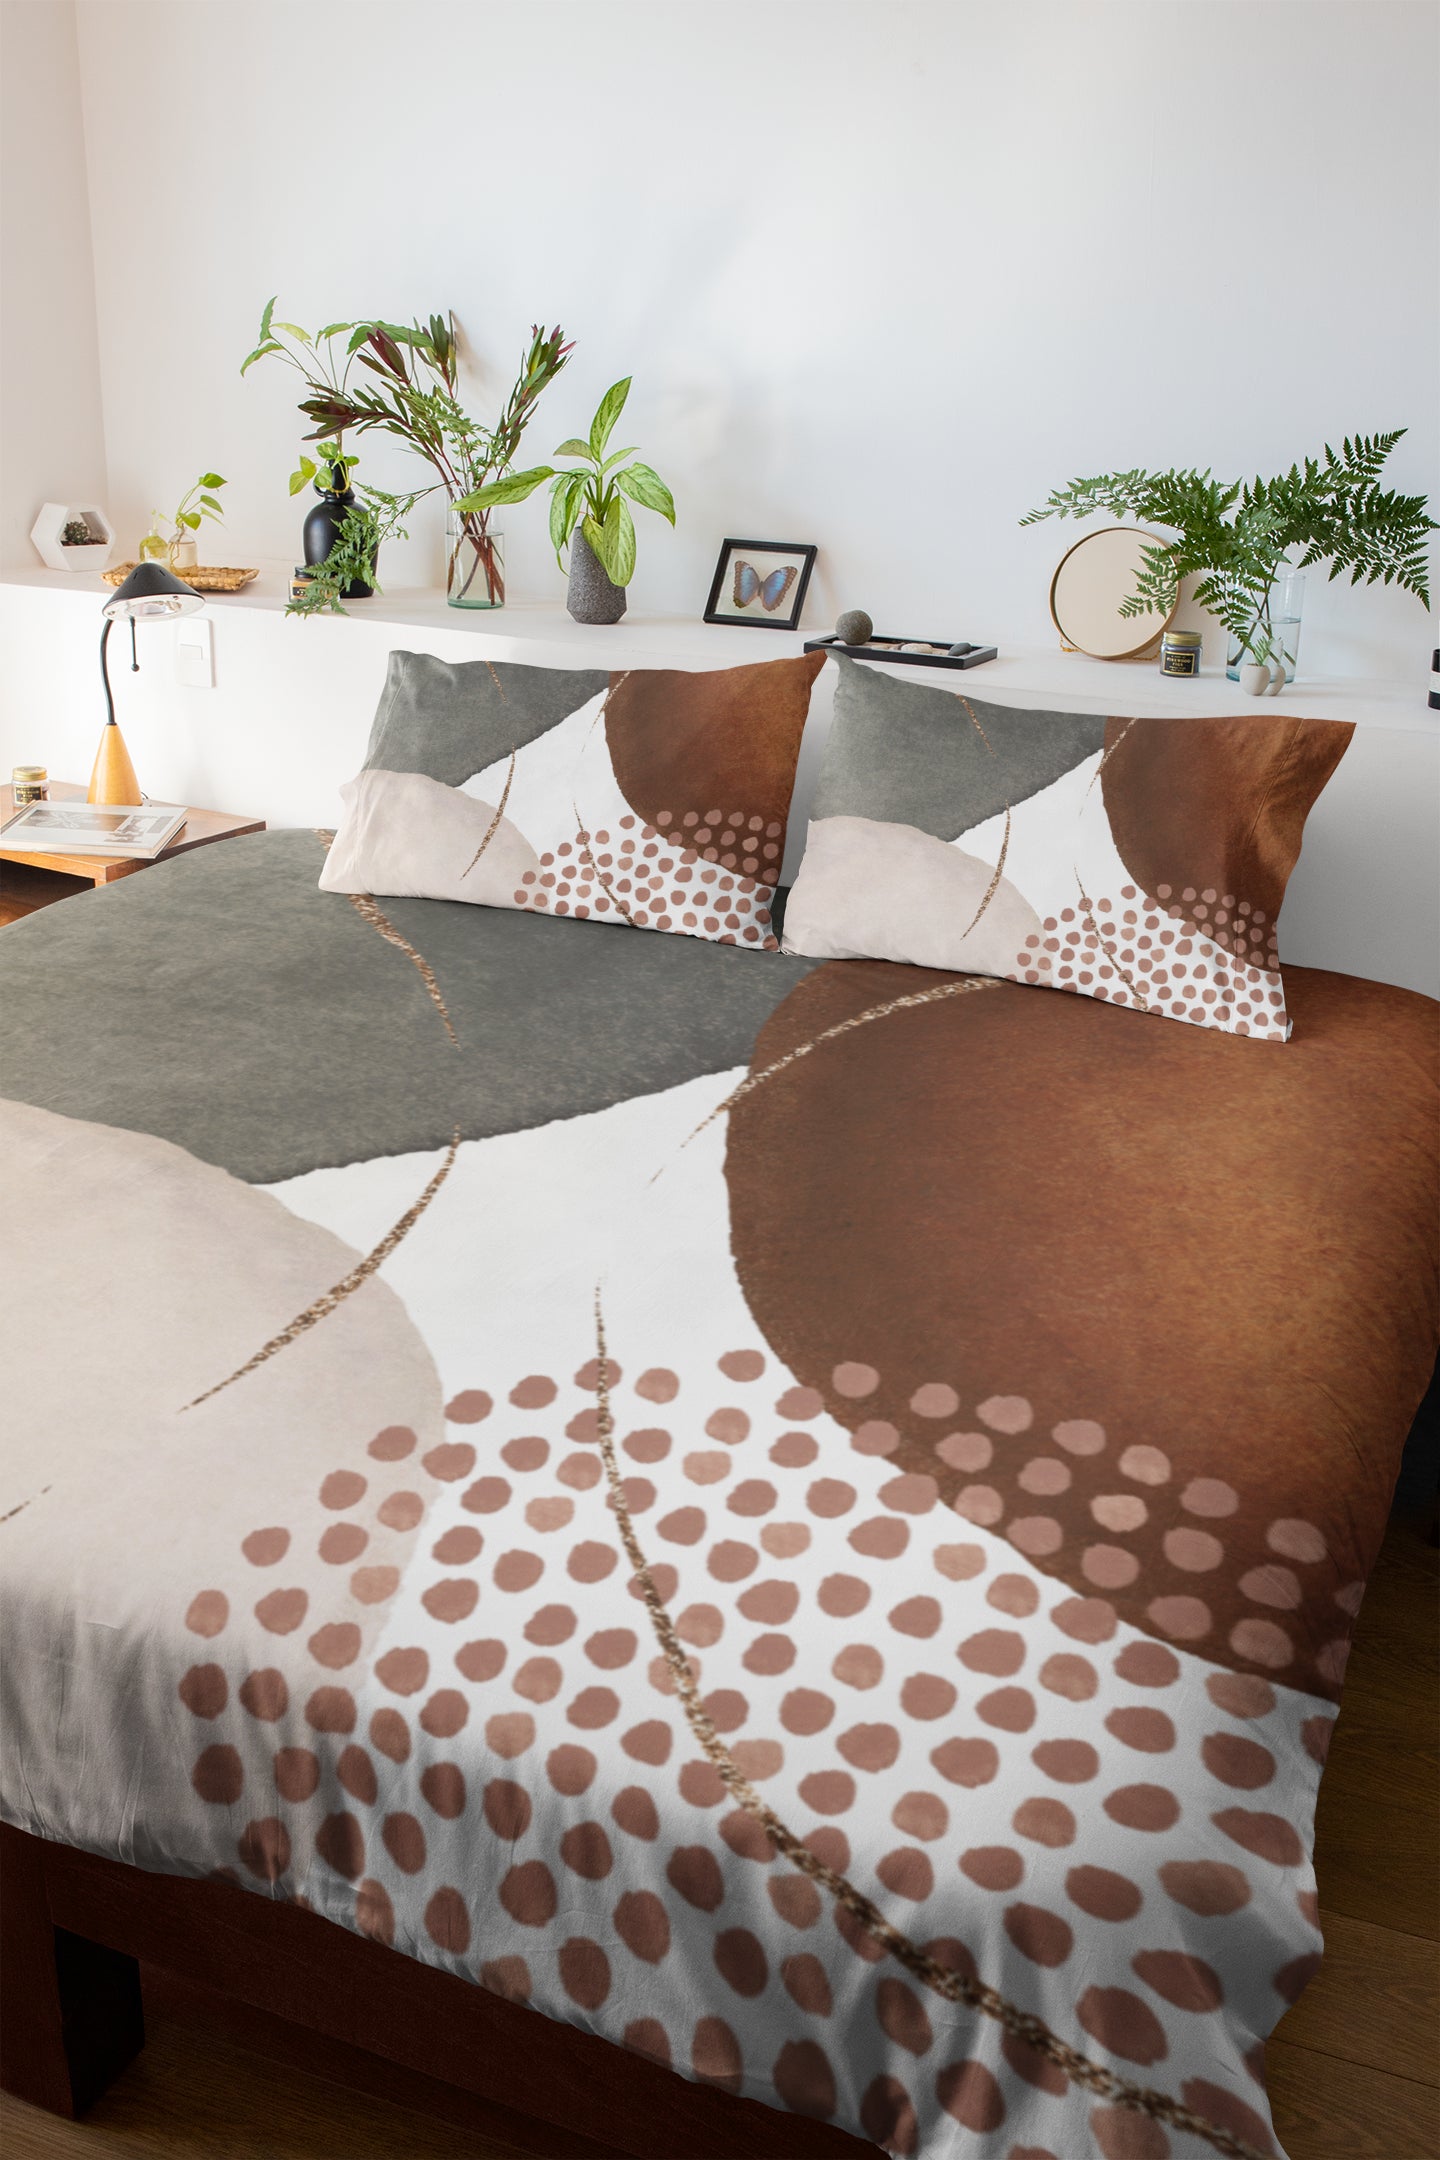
[74, 1929]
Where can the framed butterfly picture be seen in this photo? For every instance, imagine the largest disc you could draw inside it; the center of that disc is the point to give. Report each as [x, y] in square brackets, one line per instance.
[762, 582]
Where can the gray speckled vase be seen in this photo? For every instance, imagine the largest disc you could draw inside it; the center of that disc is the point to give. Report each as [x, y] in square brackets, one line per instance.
[591, 597]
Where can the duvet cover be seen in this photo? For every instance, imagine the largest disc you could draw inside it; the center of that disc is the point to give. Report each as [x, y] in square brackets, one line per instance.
[804, 1518]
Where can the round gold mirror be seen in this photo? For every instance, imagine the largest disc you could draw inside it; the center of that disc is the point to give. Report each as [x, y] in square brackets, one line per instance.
[1086, 592]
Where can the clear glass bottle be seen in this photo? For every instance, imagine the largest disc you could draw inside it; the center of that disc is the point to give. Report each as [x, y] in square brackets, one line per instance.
[155, 547]
[474, 561]
[1282, 637]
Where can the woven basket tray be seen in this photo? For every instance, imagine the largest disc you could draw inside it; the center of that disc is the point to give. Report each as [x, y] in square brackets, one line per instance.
[204, 577]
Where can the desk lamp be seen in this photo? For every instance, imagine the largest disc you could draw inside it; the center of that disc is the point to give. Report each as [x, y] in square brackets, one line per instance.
[148, 591]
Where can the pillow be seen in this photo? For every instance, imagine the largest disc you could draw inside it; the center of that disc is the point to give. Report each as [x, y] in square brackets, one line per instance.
[405, 836]
[1141, 861]
[657, 798]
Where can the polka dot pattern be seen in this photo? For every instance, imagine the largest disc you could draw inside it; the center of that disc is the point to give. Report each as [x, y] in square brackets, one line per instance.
[708, 878]
[1208, 960]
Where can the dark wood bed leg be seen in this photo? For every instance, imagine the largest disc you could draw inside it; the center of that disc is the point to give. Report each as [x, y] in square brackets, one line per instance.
[70, 2010]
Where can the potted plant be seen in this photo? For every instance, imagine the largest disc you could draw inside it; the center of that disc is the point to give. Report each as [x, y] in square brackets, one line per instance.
[1238, 536]
[409, 389]
[348, 570]
[176, 547]
[588, 510]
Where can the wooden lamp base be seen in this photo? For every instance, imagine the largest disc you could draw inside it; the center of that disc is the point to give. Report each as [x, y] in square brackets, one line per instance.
[113, 779]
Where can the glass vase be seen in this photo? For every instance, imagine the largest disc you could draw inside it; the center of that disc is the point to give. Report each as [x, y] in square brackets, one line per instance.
[1281, 635]
[474, 561]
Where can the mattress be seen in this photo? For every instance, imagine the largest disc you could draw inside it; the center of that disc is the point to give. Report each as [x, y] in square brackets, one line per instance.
[803, 1518]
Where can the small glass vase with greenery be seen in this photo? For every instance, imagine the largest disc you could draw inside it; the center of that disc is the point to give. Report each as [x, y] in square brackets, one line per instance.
[176, 546]
[1238, 537]
[404, 380]
[588, 506]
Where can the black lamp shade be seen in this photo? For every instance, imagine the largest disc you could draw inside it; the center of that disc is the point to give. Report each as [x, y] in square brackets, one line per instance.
[152, 590]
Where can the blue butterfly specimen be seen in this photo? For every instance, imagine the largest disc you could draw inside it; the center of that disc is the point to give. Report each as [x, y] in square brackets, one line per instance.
[770, 591]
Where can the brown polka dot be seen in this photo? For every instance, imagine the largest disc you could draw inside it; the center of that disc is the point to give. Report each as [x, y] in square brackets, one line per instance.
[995, 1651]
[758, 1759]
[741, 1364]
[1295, 1540]
[204, 1690]
[1292, 1980]
[1103, 1894]
[1316, 1733]
[528, 1894]
[747, 1838]
[1045, 1821]
[715, 2055]
[482, 1660]
[591, 1562]
[1149, 1732]
[218, 1776]
[458, 1546]
[768, 1602]
[741, 1961]
[356, 1773]
[907, 1873]
[927, 1695]
[1232, 2113]
[264, 1694]
[342, 1543]
[769, 1654]
[992, 1867]
[443, 1787]
[829, 1497]
[701, 1784]
[390, 1734]
[1041, 1936]
[373, 1585]
[1009, 1709]
[469, 1407]
[584, 1972]
[1188, 1619]
[534, 1392]
[264, 1547]
[551, 1624]
[859, 1665]
[401, 1511]
[450, 1461]
[730, 1561]
[841, 1596]
[869, 1747]
[1148, 1664]
[960, 1563]
[1242, 1694]
[593, 1707]
[969, 2092]
[1123, 2024]
[392, 1444]
[1309, 1905]
[447, 1922]
[887, 2116]
[517, 1571]
[1143, 1807]
[571, 1770]
[539, 1679]
[1234, 1760]
[342, 1489]
[510, 1734]
[1121, 2134]
[404, 1840]
[805, 1710]
[646, 2036]
[1036, 2070]
[404, 1672]
[529, 1451]
[876, 1436]
[507, 1976]
[794, 1451]
[487, 1495]
[208, 1612]
[553, 1511]
[585, 1850]
[635, 1812]
[337, 1645]
[444, 1714]
[796, 1900]
[966, 1762]
[657, 1385]
[828, 1792]
[1187, 1982]
[804, 2080]
[507, 1809]
[297, 1773]
[806, 1983]
[643, 1925]
[882, 1538]
[694, 1872]
[1013, 1594]
[918, 1616]
[331, 1710]
[913, 1493]
[648, 1743]
[340, 1842]
[1072, 1677]
[1206, 1887]
[1269, 1837]
[264, 1848]
[282, 1611]
[1087, 1620]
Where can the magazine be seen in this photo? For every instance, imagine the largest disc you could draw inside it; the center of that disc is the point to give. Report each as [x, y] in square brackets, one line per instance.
[79, 828]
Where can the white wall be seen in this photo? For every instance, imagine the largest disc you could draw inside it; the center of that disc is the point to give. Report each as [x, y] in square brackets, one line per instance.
[884, 270]
[52, 448]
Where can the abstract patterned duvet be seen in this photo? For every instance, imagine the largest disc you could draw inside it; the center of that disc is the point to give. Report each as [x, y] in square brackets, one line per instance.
[1003, 1391]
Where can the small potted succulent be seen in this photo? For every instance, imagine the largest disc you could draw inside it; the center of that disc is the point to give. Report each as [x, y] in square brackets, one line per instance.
[589, 511]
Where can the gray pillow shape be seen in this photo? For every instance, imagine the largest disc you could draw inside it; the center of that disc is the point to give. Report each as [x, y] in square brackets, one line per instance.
[452, 718]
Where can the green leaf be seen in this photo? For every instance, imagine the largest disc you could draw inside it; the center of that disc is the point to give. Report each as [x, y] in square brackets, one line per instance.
[260, 353]
[211, 480]
[212, 506]
[573, 447]
[559, 511]
[607, 413]
[616, 543]
[648, 489]
[616, 455]
[192, 519]
[513, 488]
[295, 331]
[332, 329]
[265, 318]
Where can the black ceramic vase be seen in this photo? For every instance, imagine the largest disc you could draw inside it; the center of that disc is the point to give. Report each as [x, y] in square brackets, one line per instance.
[591, 597]
[322, 528]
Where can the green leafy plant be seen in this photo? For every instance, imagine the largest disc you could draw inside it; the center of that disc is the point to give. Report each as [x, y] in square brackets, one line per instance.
[1237, 534]
[353, 557]
[592, 494]
[329, 459]
[403, 379]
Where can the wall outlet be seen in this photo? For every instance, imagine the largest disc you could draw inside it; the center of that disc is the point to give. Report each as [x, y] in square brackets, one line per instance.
[195, 652]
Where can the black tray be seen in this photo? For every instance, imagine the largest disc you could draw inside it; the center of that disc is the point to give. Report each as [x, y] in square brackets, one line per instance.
[883, 649]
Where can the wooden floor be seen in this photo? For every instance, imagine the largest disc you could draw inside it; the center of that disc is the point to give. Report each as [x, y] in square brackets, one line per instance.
[1353, 2068]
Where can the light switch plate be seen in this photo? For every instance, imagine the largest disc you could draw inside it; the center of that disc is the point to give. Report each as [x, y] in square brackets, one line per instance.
[195, 652]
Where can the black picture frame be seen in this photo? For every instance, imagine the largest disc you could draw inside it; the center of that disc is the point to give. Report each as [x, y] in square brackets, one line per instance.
[804, 553]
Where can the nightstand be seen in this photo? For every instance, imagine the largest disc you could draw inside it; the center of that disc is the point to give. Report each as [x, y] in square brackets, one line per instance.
[28, 882]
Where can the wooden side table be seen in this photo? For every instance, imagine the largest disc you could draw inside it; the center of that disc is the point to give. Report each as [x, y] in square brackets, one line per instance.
[28, 882]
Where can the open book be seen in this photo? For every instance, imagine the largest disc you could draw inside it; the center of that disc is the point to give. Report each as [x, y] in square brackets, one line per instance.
[78, 828]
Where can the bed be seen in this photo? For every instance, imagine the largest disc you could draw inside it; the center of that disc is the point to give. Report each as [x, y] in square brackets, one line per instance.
[667, 1532]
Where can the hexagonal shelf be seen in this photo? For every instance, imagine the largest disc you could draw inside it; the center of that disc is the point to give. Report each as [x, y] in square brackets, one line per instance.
[49, 527]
